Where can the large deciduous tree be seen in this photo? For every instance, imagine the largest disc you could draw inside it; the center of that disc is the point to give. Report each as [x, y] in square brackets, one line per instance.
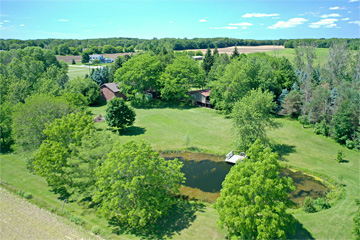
[30, 118]
[179, 77]
[136, 186]
[251, 118]
[139, 74]
[118, 114]
[253, 199]
[62, 136]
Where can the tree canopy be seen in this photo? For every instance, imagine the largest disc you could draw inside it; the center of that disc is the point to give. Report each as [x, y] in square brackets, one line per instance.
[118, 114]
[253, 199]
[251, 118]
[136, 186]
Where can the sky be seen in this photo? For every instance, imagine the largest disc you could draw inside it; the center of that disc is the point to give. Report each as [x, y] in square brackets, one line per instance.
[243, 19]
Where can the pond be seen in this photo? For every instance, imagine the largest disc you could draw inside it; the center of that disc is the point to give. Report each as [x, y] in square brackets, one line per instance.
[205, 173]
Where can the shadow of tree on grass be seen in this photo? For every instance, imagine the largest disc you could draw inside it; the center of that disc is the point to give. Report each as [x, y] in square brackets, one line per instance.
[180, 217]
[283, 149]
[301, 232]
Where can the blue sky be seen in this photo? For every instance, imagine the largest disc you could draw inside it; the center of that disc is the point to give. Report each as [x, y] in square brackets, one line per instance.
[180, 19]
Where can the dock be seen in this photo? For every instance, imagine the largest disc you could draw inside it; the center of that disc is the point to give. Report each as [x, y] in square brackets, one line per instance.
[233, 158]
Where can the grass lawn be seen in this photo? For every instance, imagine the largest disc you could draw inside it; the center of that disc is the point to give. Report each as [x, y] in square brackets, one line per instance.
[77, 72]
[165, 127]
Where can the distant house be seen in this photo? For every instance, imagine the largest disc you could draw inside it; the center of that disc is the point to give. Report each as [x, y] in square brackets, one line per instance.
[110, 90]
[101, 59]
[197, 58]
[201, 97]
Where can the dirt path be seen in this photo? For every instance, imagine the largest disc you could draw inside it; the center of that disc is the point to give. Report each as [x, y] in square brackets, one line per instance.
[20, 219]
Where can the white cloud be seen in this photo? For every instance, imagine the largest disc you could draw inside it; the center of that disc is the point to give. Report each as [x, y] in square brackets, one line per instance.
[171, 22]
[330, 15]
[327, 23]
[248, 15]
[22, 25]
[241, 24]
[334, 8]
[345, 19]
[353, 0]
[293, 22]
[63, 20]
[262, 24]
[6, 20]
[244, 28]
[202, 20]
[1, 23]
[355, 22]
[223, 27]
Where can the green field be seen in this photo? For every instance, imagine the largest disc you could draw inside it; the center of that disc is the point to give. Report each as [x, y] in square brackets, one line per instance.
[165, 127]
[77, 72]
[322, 54]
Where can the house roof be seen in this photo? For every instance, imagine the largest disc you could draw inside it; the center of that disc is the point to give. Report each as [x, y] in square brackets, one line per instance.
[112, 86]
[96, 55]
[204, 92]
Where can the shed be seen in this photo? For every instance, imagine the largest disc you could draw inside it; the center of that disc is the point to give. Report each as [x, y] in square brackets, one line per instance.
[111, 90]
[197, 58]
[201, 97]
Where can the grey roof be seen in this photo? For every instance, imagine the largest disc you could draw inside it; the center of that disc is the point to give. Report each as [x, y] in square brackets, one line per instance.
[112, 86]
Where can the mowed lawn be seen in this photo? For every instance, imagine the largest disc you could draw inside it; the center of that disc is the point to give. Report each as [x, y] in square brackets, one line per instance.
[166, 128]
[77, 72]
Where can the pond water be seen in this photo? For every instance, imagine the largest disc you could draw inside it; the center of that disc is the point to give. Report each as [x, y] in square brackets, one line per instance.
[205, 173]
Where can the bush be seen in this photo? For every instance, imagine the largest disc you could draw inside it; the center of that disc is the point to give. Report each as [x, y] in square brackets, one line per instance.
[118, 114]
[350, 144]
[308, 205]
[27, 195]
[340, 156]
[321, 203]
[96, 230]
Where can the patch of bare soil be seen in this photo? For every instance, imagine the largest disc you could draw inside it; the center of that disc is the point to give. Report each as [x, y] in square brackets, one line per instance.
[244, 49]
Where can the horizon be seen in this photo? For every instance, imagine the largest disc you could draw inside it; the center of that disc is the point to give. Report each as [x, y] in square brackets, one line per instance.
[258, 20]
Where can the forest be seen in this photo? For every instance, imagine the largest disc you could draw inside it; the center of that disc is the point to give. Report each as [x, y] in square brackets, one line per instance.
[50, 119]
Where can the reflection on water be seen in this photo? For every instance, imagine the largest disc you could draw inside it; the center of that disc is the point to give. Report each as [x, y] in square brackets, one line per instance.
[205, 173]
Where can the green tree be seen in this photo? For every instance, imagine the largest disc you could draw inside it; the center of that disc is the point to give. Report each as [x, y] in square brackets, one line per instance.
[73, 62]
[85, 58]
[87, 87]
[251, 118]
[62, 136]
[139, 74]
[30, 118]
[208, 61]
[63, 49]
[254, 199]
[292, 104]
[118, 114]
[5, 125]
[179, 77]
[135, 186]
[235, 53]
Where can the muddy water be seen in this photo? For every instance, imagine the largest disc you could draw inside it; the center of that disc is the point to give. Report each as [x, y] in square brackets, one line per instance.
[205, 173]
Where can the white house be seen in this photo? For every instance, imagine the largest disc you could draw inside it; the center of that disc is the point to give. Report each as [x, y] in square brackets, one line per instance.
[101, 59]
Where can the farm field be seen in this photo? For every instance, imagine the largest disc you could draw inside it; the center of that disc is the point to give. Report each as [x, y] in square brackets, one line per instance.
[243, 49]
[322, 54]
[20, 219]
[165, 127]
[74, 72]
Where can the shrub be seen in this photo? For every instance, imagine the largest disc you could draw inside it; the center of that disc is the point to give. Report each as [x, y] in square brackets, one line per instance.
[350, 144]
[27, 195]
[308, 205]
[340, 156]
[96, 230]
[73, 62]
[321, 203]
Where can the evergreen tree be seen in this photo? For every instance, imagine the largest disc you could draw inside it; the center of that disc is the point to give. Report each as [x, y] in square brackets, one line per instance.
[235, 53]
[118, 114]
[85, 58]
[73, 62]
[208, 61]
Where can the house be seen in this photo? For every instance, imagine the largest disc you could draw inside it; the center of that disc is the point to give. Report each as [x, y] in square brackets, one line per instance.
[110, 90]
[197, 58]
[201, 97]
[101, 59]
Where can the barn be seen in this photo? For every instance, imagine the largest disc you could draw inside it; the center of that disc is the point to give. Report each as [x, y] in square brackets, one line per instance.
[111, 90]
[201, 97]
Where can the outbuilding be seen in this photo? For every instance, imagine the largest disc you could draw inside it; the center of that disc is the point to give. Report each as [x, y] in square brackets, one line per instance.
[111, 90]
[201, 97]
